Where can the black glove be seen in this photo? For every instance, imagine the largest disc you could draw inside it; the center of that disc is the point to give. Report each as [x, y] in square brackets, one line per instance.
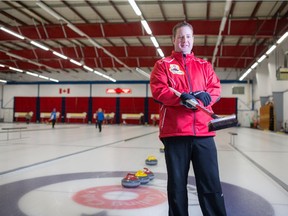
[203, 96]
[186, 96]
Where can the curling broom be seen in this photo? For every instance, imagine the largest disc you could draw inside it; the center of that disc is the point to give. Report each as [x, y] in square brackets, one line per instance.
[218, 122]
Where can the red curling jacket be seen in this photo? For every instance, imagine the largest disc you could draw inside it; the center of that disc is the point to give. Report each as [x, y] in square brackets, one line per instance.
[185, 73]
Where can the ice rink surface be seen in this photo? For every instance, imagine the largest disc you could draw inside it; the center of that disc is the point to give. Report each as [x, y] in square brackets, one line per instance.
[73, 170]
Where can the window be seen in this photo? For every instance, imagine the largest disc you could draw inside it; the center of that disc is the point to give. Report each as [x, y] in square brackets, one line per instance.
[238, 90]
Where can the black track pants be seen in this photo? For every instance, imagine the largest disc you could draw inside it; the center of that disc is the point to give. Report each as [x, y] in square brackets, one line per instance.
[179, 152]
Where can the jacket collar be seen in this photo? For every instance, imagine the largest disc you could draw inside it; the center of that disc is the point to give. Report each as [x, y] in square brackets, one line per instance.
[179, 56]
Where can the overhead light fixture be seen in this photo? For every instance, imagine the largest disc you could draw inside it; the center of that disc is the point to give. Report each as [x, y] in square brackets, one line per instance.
[12, 33]
[160, 52]
[271, 49]
[98, 73]
[32, 74]
[54, 80]
[2, 65]
[43, 77]
[49, 10]
[60, 55]
[16, 69]
[282, 38]
[146, 27]
[88, 68]
[135, 7]
[75, 62]
[261, 58]
[143, 72]
[254, 65]
[3, 81]
[110, 78]
[245, 74]
[39, 45]
[154, 41]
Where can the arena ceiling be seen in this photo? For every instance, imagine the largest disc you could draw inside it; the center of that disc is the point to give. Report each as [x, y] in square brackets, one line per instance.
[103, 39]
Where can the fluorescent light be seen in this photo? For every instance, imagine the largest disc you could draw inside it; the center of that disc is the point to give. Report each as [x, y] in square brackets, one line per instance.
[4, 81]
[75, 29]
[143, 73]
[60, 55]
[16, 69]
[282, 38]
[49, 10]
[135, 7]
[88, 68]
[54, 80]
[75, 62]
[271, 49]
[254, 65]
[154, 41]
[98, 73]
[2, 65]
[111, 79]
[105, 76]
[43, 77]
[39, 45]
[12, 33]
[261, 58]
[245, 74]
[146, 27]
[160, 52]
[32, 74]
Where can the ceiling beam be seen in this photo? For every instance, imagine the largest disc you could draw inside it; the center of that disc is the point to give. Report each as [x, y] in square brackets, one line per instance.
[207, 28]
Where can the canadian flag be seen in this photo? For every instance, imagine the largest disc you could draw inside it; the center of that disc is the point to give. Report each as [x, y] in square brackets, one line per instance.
[64, 90]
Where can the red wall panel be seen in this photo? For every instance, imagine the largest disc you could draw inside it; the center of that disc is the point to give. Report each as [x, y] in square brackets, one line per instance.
[108, 105]
[25, 104]
[47, 104]
[77, 105]
[226, 106]
[153, 108]
[131, 105]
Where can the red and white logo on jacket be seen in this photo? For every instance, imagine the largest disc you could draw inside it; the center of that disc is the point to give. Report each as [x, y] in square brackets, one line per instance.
[174, 68]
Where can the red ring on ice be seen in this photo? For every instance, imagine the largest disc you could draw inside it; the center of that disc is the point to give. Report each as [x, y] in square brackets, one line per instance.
[95, 197]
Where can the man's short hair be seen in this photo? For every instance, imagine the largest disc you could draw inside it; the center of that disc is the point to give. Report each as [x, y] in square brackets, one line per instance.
[179, 25]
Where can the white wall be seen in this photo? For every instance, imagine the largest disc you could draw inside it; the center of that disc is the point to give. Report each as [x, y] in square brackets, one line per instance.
[265, 82]
[285, 104]
[137, 90]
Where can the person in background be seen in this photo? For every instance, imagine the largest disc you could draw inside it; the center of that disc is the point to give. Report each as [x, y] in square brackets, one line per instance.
[53, 117]
[28, 117]
[100, 118]
[183, 129]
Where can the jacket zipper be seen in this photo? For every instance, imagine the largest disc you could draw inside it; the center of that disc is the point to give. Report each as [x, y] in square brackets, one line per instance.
[190, 89]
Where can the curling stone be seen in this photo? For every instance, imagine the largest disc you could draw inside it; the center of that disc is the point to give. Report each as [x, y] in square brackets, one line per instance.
[144, 178]
[130, 181]
[151, 160]
[162, 149]
[149, 173]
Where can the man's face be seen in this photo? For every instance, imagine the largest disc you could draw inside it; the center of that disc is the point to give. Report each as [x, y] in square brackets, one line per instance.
[183, 41]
